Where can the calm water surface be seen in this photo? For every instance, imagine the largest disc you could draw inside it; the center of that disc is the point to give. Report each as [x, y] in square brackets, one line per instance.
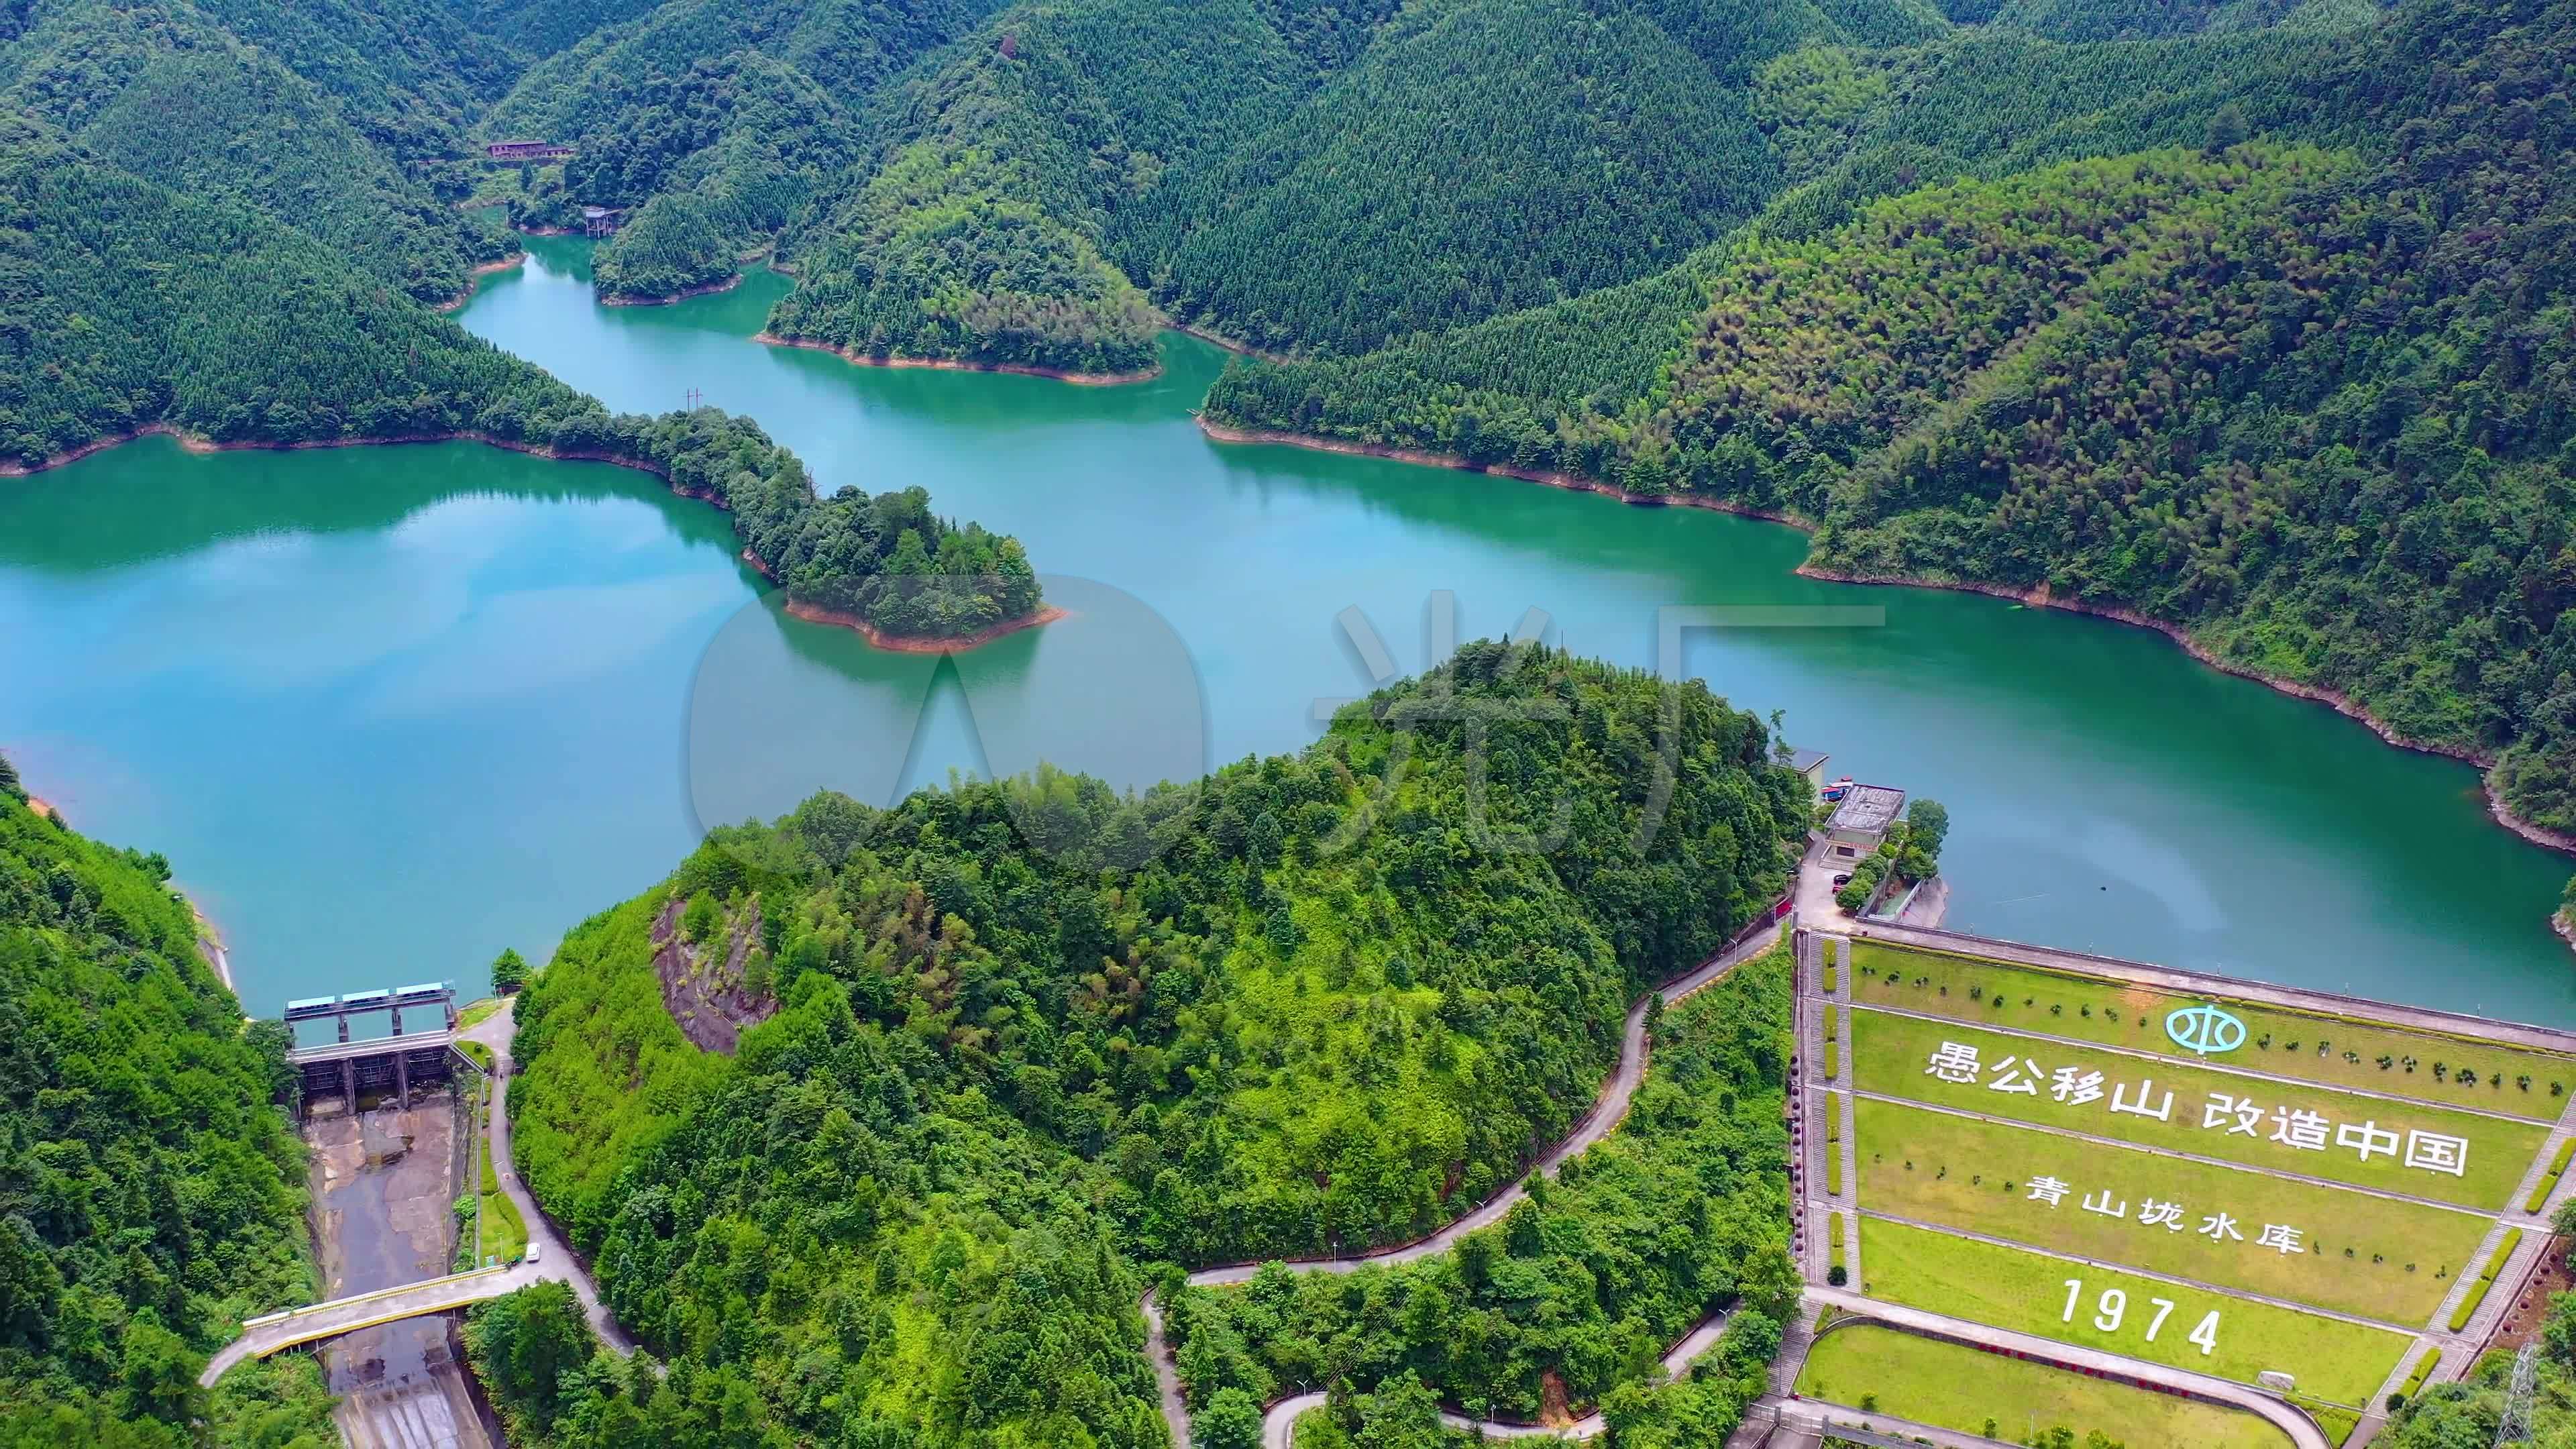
[392, 709]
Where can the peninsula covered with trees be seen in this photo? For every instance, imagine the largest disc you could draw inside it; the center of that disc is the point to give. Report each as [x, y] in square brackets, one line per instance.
[1316, 1001]
[148, 309]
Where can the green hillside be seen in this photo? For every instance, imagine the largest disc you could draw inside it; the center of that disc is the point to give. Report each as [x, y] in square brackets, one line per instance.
[981, 234]
[151, 1194]
[134, 307]
[2310, 410]
[172, 96]
[1573, 150]
[1338, 1007]
[719, 121]
[1684, 1208]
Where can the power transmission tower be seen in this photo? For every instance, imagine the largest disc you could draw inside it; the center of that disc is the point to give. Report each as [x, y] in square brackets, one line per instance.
[2515, 1426]
[695, 397]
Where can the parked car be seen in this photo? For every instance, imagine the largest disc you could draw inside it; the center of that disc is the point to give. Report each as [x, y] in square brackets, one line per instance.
[1842, 879]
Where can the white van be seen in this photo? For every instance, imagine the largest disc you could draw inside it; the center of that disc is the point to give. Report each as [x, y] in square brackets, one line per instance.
[533, 1247]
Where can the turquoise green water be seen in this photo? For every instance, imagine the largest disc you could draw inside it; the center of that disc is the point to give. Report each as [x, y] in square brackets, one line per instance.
[390, 710]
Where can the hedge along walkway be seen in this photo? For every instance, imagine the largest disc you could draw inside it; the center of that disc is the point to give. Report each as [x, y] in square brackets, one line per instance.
[1961, 1388]
[2379, 1258]
[2333, 1360]
[1890, 1053]
[1974, 984]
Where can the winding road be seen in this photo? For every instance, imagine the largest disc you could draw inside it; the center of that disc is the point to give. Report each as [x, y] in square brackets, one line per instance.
[557, 1263]
[497, 1031]
[1279, 1426]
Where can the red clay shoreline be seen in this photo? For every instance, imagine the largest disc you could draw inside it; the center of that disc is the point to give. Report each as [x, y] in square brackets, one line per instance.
[892, 643]
[474, 280]
[2038, 597]
[953, 364]
[917, 644]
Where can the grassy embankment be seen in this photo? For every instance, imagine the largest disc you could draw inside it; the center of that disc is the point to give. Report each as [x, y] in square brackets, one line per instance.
[1951, 1387]
[2332, 1050]
[2371, 1256]
[2339, 1362]
[1889, 1054]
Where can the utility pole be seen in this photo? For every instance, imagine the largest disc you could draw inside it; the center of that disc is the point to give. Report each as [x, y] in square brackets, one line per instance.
[2515, 1425]
[695, 397]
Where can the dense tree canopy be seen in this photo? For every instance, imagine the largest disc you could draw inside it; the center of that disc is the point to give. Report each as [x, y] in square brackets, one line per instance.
[1586, 1283]
[2309, 404]
[1351, 993]
[151, 1192]
[168, 93]
[717, 122]
[2249, 317]
[145, 308]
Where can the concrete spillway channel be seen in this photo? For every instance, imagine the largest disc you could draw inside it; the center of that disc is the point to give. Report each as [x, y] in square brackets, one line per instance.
[384, 1183]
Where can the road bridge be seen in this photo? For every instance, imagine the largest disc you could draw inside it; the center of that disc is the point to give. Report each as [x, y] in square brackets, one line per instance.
[313, 1323]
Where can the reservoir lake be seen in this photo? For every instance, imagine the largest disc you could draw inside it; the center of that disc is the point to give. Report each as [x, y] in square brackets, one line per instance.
[391, 709]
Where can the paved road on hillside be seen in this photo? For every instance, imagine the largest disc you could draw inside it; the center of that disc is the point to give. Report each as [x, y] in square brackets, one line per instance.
[555, 1260]
[1608, 1110]
[1279, 1426]
[497, 1031]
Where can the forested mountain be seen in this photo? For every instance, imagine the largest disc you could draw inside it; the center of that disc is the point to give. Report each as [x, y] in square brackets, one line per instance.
[151, 1193]
[981, 234]
[717, 121]
[1573, 146]
[169, 93]
[2317, 413]
[1263, 174]
[539, 28]
[2094, 20]
[1347, 998]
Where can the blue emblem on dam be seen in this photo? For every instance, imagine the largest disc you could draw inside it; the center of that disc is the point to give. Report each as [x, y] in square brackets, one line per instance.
[2205, 1030]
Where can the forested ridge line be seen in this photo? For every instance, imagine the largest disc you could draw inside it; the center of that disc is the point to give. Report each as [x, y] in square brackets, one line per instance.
[1335, 1004]
[2321, 429]
[327, 117]
[151, 1192]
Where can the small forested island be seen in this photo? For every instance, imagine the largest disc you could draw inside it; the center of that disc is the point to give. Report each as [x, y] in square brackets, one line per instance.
[151, 1192]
